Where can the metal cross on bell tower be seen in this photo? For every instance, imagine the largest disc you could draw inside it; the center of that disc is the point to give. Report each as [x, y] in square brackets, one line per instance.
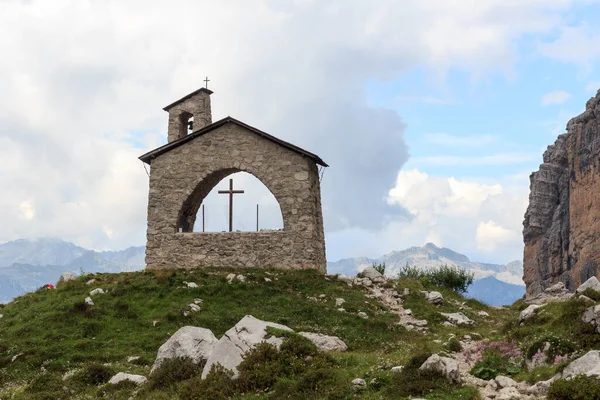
[231, 192]
[206, 82]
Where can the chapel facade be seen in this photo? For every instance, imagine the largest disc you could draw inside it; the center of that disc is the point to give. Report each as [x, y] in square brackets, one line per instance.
[190, 165]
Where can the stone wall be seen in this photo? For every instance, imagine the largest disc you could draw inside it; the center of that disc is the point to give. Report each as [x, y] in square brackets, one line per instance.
[562, 223]
[183, 176]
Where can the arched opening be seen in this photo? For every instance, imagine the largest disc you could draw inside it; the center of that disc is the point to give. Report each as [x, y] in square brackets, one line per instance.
[207, 210]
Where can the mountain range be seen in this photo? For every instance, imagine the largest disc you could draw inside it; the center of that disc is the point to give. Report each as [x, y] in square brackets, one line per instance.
[26, 265]
[495, 284]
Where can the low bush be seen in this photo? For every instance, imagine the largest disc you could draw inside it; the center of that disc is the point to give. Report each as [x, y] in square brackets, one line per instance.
[557, 347]
[379, 268]
[495, 358]
[454, 345]
[94, 374]
[412, 381]
[453, 278]
[592, 294]
[173, 370]
[581, 387]
[218, 385]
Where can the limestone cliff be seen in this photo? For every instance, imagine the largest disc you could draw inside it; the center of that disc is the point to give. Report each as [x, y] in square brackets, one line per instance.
[562, 223]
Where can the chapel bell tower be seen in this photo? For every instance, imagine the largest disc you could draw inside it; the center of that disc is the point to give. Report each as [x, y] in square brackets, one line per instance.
[189, 114]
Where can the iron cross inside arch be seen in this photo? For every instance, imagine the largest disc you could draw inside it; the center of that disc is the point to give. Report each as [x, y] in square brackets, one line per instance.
[231, 192]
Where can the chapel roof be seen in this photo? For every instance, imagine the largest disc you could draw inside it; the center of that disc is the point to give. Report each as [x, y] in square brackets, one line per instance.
[169, 146]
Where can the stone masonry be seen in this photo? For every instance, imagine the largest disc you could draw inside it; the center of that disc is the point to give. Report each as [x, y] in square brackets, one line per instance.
[187, 168]
[562, 223]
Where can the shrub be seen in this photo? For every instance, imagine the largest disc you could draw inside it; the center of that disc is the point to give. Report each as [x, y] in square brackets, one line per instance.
[218, 385]
[454, 345]
[379, 268]
[453, 278]
[592, 294]
[558, 347]
[414, 382]
[94, 374]
[173, 370]
[495, 358]
[580, 387]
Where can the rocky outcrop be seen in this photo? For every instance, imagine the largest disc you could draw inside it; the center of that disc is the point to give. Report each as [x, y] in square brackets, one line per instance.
[189, 341]
[562, 224]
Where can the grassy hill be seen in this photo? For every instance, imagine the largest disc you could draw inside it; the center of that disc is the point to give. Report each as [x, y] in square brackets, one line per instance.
[52, 345]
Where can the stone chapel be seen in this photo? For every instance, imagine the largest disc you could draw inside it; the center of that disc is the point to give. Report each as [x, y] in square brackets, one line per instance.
[191, 164]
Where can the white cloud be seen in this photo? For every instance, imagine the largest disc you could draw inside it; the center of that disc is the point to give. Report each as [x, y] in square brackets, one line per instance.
[450, 212]
[462, 141]
[490, 235]
[83, 84]
[556, 97]
[575, 44]
[27, 210]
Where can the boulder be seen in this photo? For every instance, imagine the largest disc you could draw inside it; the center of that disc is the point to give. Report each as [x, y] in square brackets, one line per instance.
[458, 318]
[246, 334]
[345, 278]
[90, 282]
[324, 342]
[505, 381]
[191, 285]
[528, 312]
[121, 376]
[189, 341]
[592, 283]
[96, 291]
[359, 383]
[587, 364]
[66, 277]
[483, 314]
[363, 314]
[445, 365]
[397, 369]
[508, 393]
[89, 301]
[434, 297]
[339, 302]
[372, 274]
[194, 307]
[592, 316]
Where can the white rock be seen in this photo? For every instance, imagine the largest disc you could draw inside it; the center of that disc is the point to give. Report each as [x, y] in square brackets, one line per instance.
[267, 279]
[339, 302]
[324, 342]
[359, 383]
[121, 376]
[96, 291]
[406, 291]
[528, 312]
[591, 283]
[89, 301]
[341, 309]
[191, 285]
[505, 381]
[230, 278]
[483, 314]
[90, 282]
[458, 318]
[246, 334]
[1, 315]
[132, 358]
[372, 274]
[397, 369]
[508, 393]
[587, 363]
[408, 312]
[189, 341]
[198, 301]
[586, 299]
[241, 278]
[322, 296]
[434, 297]
[363, 314]
[194, 307]
[345, 278]
[445, 365]
[66, 277]
[154, 323]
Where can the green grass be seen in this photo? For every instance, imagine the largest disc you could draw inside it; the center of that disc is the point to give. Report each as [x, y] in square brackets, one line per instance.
[53, 333]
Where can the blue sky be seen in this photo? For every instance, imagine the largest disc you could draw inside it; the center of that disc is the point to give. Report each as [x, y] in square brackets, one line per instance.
[431, 113]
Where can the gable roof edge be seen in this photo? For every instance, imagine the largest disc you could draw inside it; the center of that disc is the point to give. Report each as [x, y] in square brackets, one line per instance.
[169, 146]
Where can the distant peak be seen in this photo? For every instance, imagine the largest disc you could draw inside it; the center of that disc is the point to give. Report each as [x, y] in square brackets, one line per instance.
[431, 245]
